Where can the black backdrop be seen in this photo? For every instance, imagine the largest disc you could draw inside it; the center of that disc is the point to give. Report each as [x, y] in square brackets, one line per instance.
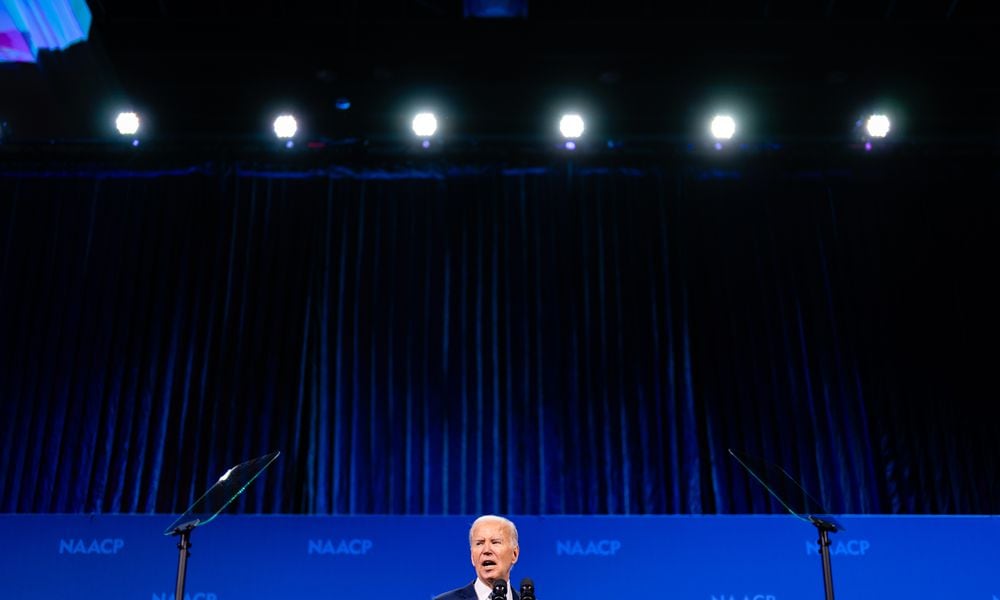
[553, 340]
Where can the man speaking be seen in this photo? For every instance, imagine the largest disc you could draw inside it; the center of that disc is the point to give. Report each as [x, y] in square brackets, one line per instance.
[493, 543]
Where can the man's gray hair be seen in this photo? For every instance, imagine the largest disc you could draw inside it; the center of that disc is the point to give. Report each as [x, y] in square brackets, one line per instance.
[511, 528]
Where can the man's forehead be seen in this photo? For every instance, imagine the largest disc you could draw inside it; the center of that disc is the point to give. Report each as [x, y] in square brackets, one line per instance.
[490, 528]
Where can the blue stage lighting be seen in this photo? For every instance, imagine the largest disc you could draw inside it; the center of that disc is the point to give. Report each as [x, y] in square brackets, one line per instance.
[877, 126]
[723, 127]
[285, 126]
[571, 126]
[496, 9]
[424, 124]
[29, 26]
[127, 123]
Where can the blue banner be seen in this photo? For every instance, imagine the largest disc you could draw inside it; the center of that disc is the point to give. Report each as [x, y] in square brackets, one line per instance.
[681, 557]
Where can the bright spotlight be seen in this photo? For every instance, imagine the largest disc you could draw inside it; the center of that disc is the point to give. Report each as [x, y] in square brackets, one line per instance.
[424, 124]
[723, 127]
[571, 126]
[127, 123]
[877, 126]
[285, 127]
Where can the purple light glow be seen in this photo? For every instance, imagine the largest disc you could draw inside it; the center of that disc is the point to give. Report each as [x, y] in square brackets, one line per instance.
[570, 145]
[426, 144]
[868, 146]
[718, 145]
[135, 143]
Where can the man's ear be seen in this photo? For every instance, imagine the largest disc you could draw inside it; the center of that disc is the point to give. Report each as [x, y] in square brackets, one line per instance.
[517, 552]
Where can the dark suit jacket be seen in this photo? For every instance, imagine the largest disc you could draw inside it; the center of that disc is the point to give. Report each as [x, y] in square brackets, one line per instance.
[467, 593]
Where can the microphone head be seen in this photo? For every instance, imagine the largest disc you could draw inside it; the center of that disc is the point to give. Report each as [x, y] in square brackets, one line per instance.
[527, 589]
[499, 588]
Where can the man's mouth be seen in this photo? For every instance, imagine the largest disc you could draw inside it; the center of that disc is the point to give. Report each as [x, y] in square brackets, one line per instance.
[489, 563]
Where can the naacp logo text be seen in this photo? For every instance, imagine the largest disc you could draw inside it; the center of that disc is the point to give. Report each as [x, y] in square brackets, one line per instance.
[848, 548]
[93, 546]
[355, 547]
[588, 547]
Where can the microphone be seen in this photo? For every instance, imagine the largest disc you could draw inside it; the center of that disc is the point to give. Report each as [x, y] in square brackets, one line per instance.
[527, 589]
[499, 589]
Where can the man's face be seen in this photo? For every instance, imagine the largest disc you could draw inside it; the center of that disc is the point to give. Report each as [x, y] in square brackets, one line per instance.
[493, 552]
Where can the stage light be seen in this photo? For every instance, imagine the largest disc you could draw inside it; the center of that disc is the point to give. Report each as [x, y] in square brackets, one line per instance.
[424, 124]
[492, 9]
[877, 126]
[571, 126]
[723, 127]
[127, 123]
[26, 27]
[285, 127]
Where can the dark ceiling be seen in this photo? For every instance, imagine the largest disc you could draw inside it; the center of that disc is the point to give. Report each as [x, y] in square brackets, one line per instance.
[212, 69]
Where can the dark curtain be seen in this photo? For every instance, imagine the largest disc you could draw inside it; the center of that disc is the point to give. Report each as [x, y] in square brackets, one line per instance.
[560, 340]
